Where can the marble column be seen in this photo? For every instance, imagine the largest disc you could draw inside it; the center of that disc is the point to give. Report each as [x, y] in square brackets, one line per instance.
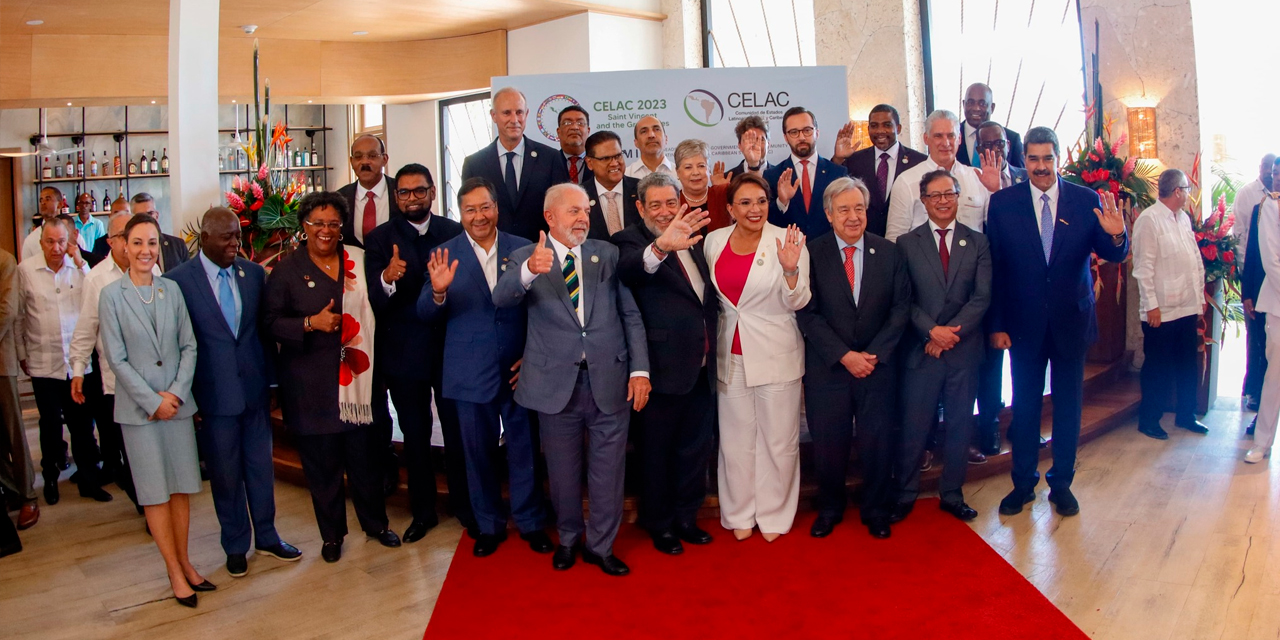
[193, 110]
[682, 34]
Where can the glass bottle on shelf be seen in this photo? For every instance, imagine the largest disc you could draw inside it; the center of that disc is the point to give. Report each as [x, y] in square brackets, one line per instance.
[222, 162]
[106, 164]
[65, 209]
[93, 166]
[70, 169]
[57, 167]
[164, 161]
[155, 164]
[133, 168]
[46, 172]
[315, 157]
[144, 165]
[106, 200]
[80, 164]
[116, 164]
[93, 201]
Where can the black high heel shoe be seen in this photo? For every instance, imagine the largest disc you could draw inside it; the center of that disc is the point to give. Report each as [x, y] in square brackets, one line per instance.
[189, 601]
[203, 586]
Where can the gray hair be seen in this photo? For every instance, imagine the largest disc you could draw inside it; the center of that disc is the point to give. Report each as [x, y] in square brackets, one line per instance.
[556, 192]
[934, 175]
[1042, 135]
[141, 197]
[688, 149]
[841, 185]
[659, 180]
[941, 114]
[1169, 182]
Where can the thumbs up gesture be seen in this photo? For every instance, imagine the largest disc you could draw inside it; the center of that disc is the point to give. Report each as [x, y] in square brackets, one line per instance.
[396, 268]
[326, 321]
[542, 258]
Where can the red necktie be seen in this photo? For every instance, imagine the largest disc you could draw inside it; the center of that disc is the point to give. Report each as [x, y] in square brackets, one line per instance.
[370, 214]
[706, 340]
[943, 252]
[848, 269]
[573, 169]
[805, 189]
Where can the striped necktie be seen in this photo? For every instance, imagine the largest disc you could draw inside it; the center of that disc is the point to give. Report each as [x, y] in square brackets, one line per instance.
[571, 279]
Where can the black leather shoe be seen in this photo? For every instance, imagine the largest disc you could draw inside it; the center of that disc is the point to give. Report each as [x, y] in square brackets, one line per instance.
[331, 552]
[823, 525]
[1153, 431]
[94, 492]
[878, 527]
[538, 541]
[190, 601]
[609, 564]
[667, 542]
[51, 496]
[203, 586]
[10, 549]
[1011, 505]
[563, 558]
[486, 544]
[959, 510]
[237, 565]
[900, 511]
[1194, 426]
[692, 534]
[386, 538]
[282, 551]
[1064, 501]
[419, 528]
[990, 441]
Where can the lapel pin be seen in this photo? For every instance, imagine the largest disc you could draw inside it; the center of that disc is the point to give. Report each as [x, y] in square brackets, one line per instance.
[311, 285]
[242, 273]
[504, 267]
[962, 242]
[161, 294]
[592, 203]
[595, 258]
[872, 250]
[760, 262]
[1064, 222]
[533, 153]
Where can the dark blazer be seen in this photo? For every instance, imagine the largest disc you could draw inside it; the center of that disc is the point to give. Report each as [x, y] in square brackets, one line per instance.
[834, 325]
[481, 341]
[960, 297]
[1033, 301]
[233, 371]
[308, 362]
[405, 346]
[348, 193]
[812, 223]
[680, 327]
[862, 165]
[543, 167]
[584, 174]
[1252, 276]
[100, 249]
[173, 252]
[630, 214]
[742, 168]
[1013, 153]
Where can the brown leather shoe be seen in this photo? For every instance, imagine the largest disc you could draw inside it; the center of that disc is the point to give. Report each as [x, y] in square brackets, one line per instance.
[975, 456]
[29, 515]
[926, 461]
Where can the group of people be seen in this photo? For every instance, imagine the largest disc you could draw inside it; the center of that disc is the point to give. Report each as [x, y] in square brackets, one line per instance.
[578, 303]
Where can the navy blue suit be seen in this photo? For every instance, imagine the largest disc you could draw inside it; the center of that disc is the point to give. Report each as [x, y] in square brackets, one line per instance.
[482, 343]
[542, 168]
[231, 383]
[1048, 312]
[813, 222]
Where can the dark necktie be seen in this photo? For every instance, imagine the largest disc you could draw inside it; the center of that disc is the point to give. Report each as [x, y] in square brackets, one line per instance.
[943, 252]
[882, 175]
[805, 189]
[370, 215]
[510, 176]
[573, 169]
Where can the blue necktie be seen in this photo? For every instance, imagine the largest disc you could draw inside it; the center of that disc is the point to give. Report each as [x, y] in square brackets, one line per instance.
[227, 300]
[1046, 226]
[510, 176]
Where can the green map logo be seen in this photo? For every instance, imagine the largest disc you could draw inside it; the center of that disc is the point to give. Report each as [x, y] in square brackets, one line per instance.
[703, 108]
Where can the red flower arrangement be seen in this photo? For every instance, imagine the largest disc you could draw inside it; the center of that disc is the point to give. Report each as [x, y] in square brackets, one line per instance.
[1217, 245]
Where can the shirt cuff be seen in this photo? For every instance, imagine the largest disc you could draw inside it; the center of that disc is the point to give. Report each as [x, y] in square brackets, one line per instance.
[388, 287]
[640, 374]
[77, 369]
[651, 259]
[782, 206]
[526, 276]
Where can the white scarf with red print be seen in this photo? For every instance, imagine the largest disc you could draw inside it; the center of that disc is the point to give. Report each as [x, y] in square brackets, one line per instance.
[355, 371]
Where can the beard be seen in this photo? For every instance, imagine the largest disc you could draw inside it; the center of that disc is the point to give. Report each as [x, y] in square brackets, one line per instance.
[417, 215]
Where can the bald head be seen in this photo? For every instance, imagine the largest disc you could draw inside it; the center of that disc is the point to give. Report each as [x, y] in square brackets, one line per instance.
[509, 112]
[977, 104]
[1264, 171]
[220, 236]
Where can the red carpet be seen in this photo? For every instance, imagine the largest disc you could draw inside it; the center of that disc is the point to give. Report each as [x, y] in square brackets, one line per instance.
[935, 578]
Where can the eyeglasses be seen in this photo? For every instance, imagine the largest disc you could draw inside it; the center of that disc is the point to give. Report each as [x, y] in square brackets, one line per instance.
[796, 133]
[332, 226]
[980, 104]
[419, 192]
[484, 208]
[993, 145]
[944, 195]
[357, 157]
[608, 159]
[745, 203]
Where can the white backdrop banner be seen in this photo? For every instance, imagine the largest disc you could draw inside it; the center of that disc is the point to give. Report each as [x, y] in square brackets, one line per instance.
[691, 103]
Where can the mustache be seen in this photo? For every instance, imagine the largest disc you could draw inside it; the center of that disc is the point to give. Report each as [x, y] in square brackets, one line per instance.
[1041, 172]
[366, 167]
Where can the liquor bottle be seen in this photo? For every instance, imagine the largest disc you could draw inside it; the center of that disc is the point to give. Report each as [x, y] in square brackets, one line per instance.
[164, 161]
[117, 166]
[315, 157]
[57, 167]
[80, 164]
[106, 164]
[155, 164]
[133, 168]
[222, 162]
[46, 172]
[65, 209]
[93, 201]
[70, 169]
[93, 166]
[106, 200]
[143, 165]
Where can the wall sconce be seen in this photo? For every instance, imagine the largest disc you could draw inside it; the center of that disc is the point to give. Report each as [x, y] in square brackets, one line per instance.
[861, 134]
[1142, 133]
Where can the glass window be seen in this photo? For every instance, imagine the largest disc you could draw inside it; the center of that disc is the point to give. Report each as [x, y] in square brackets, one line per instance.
[466, 128]
[752, 33]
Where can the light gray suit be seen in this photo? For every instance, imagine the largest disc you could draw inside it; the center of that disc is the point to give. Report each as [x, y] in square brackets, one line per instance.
[572, 400]
[960, 296]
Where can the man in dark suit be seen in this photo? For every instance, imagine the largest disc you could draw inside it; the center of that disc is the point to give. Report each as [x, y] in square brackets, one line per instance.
[753, 142]
[661, 261]
[611, 194]
[861, 299]
[223, 293]
[173, 251]
[520, 168]
[1251, 278]
[587, 367]
[879, 165]
[371, 200]
[977, 107]
[950, 269]
[1042, 234]
[409, 350]
[799, 181]
[572, 127]
[483, 345]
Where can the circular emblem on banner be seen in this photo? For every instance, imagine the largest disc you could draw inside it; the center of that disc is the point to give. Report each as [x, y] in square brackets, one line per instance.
[703, 108]
[549, 114]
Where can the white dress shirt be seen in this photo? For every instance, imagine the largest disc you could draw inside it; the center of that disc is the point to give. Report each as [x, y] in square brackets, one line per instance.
[894, 152]
[31, 244]
[1038, 205]
[390, 287]
[1247, 198]
[639, 170]
[798, 173]
[87, 337]
[49, 306]
[951, 234]
[907, 212]
[860, 248]
[380, 203]
[617, 199]
[488, 261]
[970, 139]
[211, 272]
[1167, 264]
[652, 262]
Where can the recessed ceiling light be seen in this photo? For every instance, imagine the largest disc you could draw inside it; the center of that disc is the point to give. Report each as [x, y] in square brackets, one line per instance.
[68, 104]
[308, 102]
[359, 33]
[233, 102]
[153, 102]
[34, 23]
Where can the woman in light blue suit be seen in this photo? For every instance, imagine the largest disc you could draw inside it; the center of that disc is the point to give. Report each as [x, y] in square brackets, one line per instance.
[149, 342]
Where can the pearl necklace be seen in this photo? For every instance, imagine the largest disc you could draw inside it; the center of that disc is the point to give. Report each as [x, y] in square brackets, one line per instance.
[137, 291]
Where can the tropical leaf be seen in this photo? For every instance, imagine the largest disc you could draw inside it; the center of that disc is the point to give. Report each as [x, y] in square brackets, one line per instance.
[1227, 185]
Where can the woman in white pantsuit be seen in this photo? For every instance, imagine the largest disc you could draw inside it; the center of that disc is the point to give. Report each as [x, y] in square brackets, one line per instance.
[761, 274]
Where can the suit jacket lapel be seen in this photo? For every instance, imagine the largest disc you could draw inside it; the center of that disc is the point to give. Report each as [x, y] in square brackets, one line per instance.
[835, 265]
[469, 263]
[133, 301]
[558, 284]
[526, 169]
[959, 253]
[164, 312]
[1060, 226]
[211, 299]
[588, 272]
[925, 235]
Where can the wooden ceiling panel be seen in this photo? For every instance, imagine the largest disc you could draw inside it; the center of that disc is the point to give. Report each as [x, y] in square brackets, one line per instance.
[86, 17]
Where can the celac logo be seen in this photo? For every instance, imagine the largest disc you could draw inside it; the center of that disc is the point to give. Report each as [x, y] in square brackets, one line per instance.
[549, 114]
[703, 108]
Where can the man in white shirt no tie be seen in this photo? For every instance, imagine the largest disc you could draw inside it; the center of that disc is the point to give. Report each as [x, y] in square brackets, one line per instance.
[651, 140]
